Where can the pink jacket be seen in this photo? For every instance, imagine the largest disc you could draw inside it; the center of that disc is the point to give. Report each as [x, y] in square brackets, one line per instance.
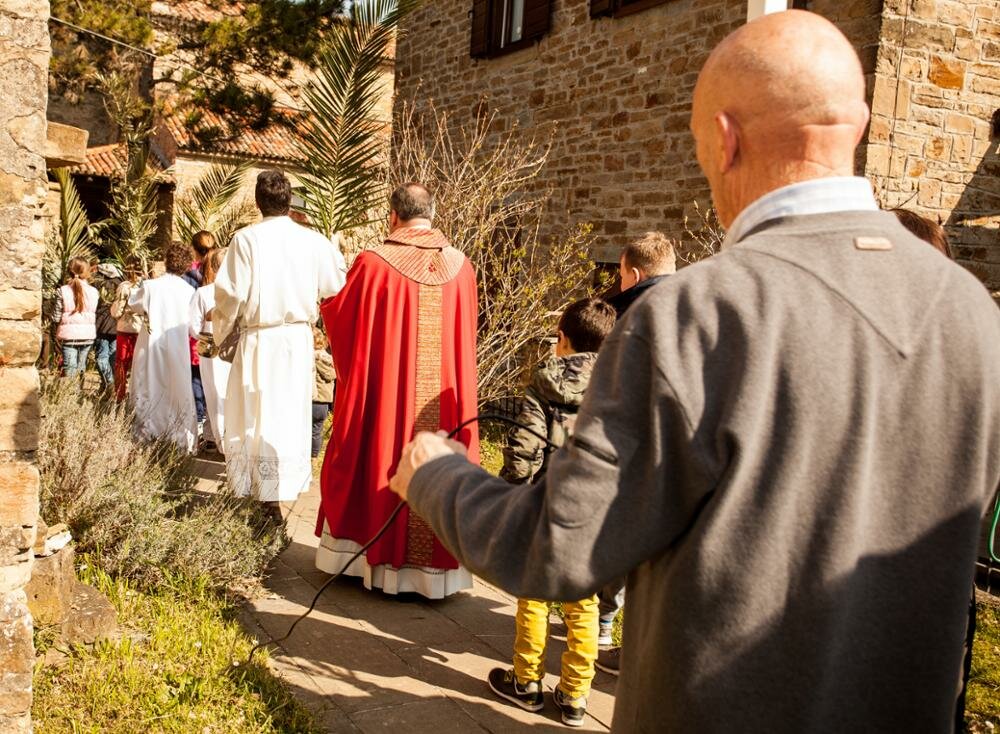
[78, 327]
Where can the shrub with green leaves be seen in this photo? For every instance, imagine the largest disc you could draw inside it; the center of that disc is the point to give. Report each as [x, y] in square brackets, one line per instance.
[134, 507]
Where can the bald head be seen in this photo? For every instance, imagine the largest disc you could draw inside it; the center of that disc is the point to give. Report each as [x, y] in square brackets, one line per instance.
[780, 100]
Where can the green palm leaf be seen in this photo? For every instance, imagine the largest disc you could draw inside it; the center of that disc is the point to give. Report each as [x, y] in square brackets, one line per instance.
[343, 144]
[212, 204]
[75, 237]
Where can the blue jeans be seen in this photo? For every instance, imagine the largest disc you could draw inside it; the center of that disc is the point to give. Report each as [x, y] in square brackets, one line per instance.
[320, 412]
[104, 355]
[75, 358]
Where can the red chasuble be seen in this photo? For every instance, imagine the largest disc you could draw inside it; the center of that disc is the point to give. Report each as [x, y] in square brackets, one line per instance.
[403, 332]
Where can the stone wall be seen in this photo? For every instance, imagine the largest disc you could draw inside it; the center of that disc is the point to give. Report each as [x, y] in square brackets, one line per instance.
[932, 144]
[614, 92]
[24, 60]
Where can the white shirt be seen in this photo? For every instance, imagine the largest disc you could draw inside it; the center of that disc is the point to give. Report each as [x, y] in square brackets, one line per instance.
[818, 196]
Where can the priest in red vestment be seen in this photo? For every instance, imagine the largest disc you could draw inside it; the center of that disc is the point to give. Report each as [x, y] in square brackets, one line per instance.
[403, 333]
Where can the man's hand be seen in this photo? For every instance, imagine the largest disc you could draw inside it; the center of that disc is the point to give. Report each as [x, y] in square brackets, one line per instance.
[425, 447]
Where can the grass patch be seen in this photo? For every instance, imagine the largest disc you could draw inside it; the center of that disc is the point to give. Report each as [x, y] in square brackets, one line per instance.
[982, 703]
[171, 672]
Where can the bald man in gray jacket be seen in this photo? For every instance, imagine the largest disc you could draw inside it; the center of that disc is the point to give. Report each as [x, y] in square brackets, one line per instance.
[788, 447]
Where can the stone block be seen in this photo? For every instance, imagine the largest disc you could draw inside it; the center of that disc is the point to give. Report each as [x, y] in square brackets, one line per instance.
[16, 724]
[946, 73]
[20, 342]
[91, 617]
[15, 575]
[65, 145]
[15, 692]
[956, 123]
[50, 591]
[17, 650]
[20, 410]
[18, 494]
[20, 304]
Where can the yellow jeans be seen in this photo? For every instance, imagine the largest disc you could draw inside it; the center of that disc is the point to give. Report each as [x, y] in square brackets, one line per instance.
[532, 622]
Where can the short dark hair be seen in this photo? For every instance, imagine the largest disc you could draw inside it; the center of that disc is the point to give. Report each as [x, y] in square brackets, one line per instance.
[926, 229]
[273, 193]
[586, 323]
[412, 201]
[177, 259]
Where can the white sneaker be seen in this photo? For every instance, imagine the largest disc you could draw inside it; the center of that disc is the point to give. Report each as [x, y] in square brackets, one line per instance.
[604, 638]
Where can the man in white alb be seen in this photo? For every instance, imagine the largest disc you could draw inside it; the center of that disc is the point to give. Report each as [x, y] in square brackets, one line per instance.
[271, 281]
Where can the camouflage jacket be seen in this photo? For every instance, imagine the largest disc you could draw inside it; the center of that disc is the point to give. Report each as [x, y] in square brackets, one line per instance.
[549, 407]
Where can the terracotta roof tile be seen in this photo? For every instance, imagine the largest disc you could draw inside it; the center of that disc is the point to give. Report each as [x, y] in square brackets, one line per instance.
[196, 11]
[274, 143]
[108, 161]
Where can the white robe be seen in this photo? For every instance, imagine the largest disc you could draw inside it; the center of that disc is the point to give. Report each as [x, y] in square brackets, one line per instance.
[274, 274]
[214, 372]
[161, 394]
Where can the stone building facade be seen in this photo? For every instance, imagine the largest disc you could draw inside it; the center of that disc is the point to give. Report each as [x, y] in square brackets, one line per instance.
[933, 141]
[611, 82]
[24, 61]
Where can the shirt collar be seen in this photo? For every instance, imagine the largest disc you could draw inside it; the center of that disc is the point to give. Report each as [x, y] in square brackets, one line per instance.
[818, 196]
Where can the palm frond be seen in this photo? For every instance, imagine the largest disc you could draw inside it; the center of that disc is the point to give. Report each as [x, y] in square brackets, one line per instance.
[344, 145]
[212, 204]
[75, 237]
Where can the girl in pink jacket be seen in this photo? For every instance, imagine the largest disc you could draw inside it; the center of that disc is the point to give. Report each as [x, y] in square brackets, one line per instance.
[76, 313]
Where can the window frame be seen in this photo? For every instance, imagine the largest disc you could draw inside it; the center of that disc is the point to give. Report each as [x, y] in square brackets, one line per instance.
[498, 19]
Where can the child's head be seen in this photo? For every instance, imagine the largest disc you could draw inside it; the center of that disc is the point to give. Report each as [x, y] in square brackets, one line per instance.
[319, 339]
[926, 229]
[176, 260]
[583, 326]
[201, 244]
[211, 265]
[649, 256]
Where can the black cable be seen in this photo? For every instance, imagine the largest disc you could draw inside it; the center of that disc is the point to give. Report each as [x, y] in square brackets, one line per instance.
[388, 523]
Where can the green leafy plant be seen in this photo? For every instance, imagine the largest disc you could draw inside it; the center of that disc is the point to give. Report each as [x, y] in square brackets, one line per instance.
[75, 237]
[213, 204]
[134, 196]
[344, 145]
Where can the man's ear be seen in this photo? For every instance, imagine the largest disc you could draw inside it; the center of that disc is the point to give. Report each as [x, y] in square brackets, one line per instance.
[729, 140]
[638, 275]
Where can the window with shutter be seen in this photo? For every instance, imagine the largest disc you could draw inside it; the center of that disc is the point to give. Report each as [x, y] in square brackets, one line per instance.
[502, 26]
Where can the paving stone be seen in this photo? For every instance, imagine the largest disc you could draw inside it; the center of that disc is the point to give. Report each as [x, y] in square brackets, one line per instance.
[441, 716]
[369, 662]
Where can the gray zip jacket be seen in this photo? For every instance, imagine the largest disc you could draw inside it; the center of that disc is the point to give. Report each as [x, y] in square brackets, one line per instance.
[788, 448]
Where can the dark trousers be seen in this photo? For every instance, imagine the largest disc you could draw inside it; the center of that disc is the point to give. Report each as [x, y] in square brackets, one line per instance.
[320, 412]
[104, 353]
[199, 393]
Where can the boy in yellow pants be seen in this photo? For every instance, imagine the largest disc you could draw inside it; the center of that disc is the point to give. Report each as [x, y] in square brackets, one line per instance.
[549, 409]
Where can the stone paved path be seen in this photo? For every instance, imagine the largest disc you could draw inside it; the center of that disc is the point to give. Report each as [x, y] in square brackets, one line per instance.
[368, 662]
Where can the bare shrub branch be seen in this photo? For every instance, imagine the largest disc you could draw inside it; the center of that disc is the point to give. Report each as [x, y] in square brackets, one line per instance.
[490, 206]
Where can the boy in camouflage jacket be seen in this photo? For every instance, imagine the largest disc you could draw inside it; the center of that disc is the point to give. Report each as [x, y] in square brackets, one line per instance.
[549, 408]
